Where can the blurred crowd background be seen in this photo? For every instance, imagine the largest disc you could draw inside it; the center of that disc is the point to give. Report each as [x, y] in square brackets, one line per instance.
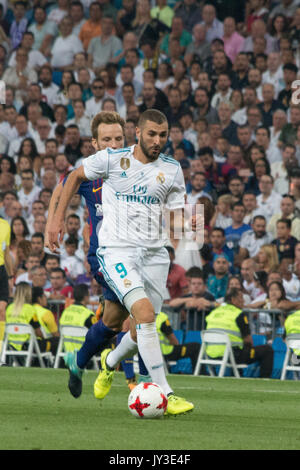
[222, 71]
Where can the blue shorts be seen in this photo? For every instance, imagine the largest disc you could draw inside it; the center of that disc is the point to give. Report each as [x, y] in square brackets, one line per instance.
[108, 294]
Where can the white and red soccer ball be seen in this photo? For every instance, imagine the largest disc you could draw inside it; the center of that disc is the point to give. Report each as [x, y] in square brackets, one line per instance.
[147, 400]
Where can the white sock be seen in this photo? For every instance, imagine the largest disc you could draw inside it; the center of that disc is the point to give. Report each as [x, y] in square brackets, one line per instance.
[149, 349]
[126, 348]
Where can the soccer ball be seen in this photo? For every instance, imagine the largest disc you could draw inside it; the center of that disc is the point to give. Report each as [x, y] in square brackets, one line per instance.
[147, 400]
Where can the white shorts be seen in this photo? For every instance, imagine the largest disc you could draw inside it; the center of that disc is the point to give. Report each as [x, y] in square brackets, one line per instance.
[130, 268]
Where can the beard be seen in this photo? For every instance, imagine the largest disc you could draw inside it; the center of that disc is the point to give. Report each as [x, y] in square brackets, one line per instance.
[152, 153]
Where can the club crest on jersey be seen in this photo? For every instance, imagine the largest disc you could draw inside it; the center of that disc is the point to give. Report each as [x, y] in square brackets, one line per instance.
[127, 283]
[160, 178]
[124, 163]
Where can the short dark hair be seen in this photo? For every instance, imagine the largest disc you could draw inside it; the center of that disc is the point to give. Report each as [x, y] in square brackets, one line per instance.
[152, 115]
[287, 222]
[36, 293]
[71, 240]
[290, 66]
[80, 291]
[231, 294]
[194, 271]
[59, 270]
[38, 235]
[205, 151]
[218, 229]
[258, 217]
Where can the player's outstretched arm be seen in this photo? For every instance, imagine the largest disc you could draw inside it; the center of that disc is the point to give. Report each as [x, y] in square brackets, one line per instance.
[56, 225]
[51, 210]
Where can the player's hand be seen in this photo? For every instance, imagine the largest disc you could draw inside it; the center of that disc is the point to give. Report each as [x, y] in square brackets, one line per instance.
[55, 235]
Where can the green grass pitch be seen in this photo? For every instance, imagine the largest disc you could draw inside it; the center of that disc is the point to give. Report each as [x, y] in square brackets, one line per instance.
[37, 412]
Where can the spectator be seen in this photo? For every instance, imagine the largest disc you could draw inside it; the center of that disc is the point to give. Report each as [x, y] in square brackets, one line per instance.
[102, 48]
[35, 58]
[217, 174]
[287, 211]
[199, 48]
[61, 11]
[43, 30]
[203, 109]
[236, 185]
[233, 41]
[37, 246]
[222, 217]
[31, 262]
[268, 202]
[290, 281]
[59, 289]
[72, 265]
[198, 300]
[176, 139]
[214, 28]
[177, 283]
[267, 258]
[231, 314]
[171, 349]
[254, 239]
[288, 134]
[219, 247]
[284, 241]
[65, 46]
[77, 314]
[22, 311]
[28, 192]
[217, 282]
[198, 185]
[248, 268]
[224, 90]
[234, 232]
[177, 32]
[46, 319]
[91, 28]
[290, 71]
[19, 24]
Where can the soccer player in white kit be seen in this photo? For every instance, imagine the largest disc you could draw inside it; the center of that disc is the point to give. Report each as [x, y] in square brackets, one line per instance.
[139, 183]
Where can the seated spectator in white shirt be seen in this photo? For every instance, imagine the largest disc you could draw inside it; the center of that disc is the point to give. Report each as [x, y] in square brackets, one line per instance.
[224, 90]
[262, 135]
[44, 132]
[279, 120]
[287, 211]
[71, 264]
[22, 129]
[31, 262]
[290, 281]
[65, 46]
[28, 193]
[252, 240]
[48, 88]
[198, 183]
[94, 104]
[281, 170]
[274, 72]
[268, 202]
[80, 119]
[35, 58]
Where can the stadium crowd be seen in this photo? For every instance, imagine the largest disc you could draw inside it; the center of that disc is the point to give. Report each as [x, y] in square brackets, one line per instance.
[223, 73]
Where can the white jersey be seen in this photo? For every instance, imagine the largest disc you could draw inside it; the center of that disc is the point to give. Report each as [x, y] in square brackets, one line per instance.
[134, 196]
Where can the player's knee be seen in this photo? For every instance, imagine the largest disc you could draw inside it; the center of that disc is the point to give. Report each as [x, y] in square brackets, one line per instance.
[143, 311]
[114, 315]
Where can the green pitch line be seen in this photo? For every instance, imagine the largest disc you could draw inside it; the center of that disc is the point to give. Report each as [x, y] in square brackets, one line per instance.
[37, 412]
